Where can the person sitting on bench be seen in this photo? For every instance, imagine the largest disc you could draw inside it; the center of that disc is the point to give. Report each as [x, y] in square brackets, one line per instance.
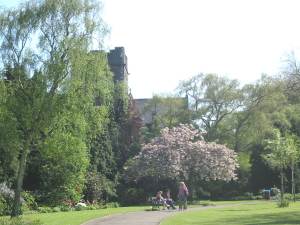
[169, 200]
[159, 200]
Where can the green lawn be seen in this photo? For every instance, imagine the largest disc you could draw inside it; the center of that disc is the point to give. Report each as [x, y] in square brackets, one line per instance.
[262, 213]
[78, 217]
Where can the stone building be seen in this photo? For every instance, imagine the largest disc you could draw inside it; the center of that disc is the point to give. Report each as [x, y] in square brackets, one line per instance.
[117, 61]
[145, 108]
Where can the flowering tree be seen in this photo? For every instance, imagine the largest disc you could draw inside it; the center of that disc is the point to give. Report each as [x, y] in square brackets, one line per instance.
[181, 150]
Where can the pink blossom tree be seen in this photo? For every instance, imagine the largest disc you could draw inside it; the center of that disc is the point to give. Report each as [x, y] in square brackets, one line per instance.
[179, 151]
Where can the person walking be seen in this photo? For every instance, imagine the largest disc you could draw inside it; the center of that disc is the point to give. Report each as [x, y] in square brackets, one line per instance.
[182, 196]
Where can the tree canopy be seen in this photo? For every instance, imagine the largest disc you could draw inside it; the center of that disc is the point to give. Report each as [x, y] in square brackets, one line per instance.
[180, 150]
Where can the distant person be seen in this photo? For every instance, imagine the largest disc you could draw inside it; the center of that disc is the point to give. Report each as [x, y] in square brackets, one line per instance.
[182, 196]
[160, 199]
[169, 200]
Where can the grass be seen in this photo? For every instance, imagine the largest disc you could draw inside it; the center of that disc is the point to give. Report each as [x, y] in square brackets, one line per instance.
[261, 213]
[78, 217]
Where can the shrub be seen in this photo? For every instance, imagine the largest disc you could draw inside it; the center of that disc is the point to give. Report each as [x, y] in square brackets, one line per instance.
[285, 202]
[133, 196]
[24, 207]
[45, 209]
[248, 194]
[257, 197]
[65, 208]
[30, 212]
[6, 199]
[240, 198]
[56, 209]
[80, 208]
[18, 221]
[112, 205]
[3, 206]
[29, 200]
[6, 192]
[91, 207]
[288, 196]
[297, 196]
[100, 205]
[98, 187]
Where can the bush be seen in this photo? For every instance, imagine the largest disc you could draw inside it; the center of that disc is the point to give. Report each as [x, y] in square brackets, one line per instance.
[98, 187]
[257, 197]
[133, 196]
[112, 205]
[65, 208]
[45, 209]
[80, 208]
[297, 196]
[24, 207]
[6, 199]
[241, 198]
[100, 205]
[91, 207]
[285, 202]
[56, 209]
[288, 196]
[30, 212]
[4, 208]
[29, 200]
[18, 221]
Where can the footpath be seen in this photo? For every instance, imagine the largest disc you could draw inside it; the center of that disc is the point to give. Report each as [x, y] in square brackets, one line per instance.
[144, 217]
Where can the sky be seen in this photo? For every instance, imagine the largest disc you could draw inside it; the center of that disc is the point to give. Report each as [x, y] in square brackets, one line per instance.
[167, 41]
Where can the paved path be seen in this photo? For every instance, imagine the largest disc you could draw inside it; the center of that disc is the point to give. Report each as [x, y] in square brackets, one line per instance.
[132, 218]
[149, 217]
[142, 218]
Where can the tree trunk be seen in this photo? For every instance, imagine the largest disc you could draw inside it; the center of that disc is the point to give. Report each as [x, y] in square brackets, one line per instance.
[16, 210]
[293, 183]
[282, 186]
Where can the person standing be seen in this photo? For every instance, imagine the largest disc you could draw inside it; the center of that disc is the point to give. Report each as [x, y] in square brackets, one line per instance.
[182, 196]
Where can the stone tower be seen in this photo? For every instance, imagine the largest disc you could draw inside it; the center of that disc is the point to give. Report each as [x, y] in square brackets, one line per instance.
[117, 61]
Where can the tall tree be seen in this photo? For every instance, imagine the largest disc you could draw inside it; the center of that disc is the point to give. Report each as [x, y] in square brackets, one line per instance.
[212, 99]
[52, 87]
[291, 74]
[278, 157]
[260, 102]
[292, 145]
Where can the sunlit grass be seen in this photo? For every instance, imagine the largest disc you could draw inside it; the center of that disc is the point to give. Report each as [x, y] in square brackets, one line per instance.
[78, 217]
[261, 213]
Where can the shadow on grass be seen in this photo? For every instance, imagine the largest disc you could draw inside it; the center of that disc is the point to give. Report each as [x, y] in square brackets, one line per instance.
[287, 218]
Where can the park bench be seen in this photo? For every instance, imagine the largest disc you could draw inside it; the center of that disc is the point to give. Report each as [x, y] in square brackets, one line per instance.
[156, 203]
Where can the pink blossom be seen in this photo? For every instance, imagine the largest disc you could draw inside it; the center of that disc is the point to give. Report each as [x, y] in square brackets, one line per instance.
[180, 150]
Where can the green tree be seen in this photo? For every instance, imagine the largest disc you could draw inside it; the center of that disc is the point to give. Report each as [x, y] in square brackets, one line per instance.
[292, 145]
[278, 157]
[291, 77]
[259, 102]
[51, 88]
[169, 110]
[212, 99]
